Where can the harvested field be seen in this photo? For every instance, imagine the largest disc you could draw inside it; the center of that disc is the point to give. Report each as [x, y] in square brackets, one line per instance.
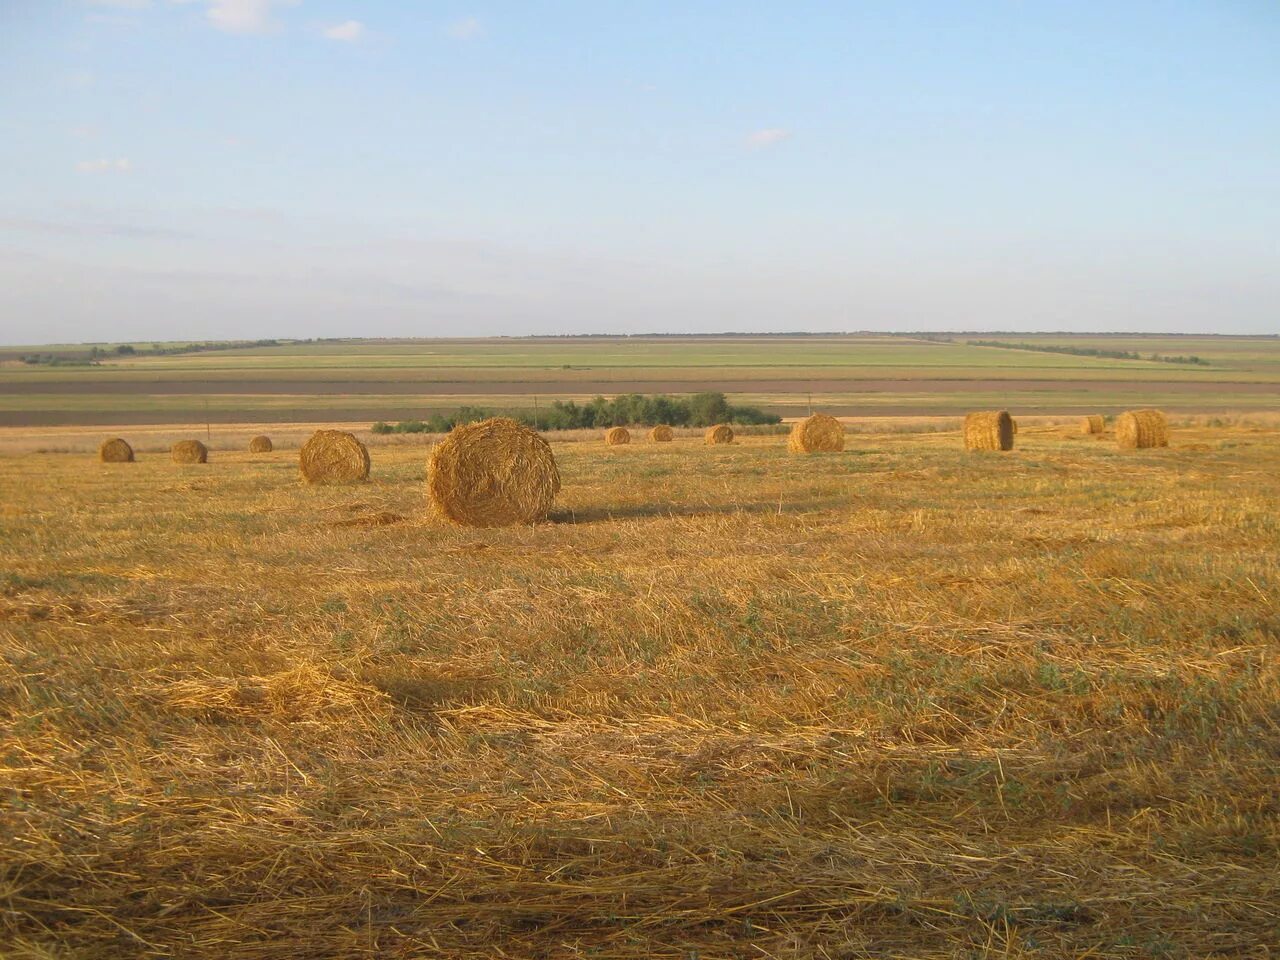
[895, 701]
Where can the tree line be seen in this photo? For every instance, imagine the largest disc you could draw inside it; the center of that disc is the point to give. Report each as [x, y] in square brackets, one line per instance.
[625, 410]
[1089, 352]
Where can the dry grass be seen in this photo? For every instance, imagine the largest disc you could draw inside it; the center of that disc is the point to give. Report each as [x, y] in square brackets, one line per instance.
[891, 702]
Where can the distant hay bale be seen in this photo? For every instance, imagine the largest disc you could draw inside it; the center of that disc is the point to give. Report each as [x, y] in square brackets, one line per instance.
[661, 434]
[333, 456]
[988, 430]
[720, 433]
[1015, 425]
[817, 433]
[1139, 429]
[1092, 423]
[494, 473]
[115, 450]
[189, 451]
[260, 444]
[616, 436]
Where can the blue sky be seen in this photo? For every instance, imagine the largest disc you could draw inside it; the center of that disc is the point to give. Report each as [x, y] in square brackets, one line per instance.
[254, 168]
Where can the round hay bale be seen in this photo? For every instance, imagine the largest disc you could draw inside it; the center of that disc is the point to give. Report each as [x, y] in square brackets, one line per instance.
[494, 473]
[260, 444]
[1092, 423]
[115, 450]
[333, 456]
[988, 430]
[661, 434]
[615, 436]
[189, 451]
[1140, 429]
[1015, 425]
[817, 433]
[720, 433]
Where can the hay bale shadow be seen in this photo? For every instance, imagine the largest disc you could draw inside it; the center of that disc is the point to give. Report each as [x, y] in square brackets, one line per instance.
[605, 513]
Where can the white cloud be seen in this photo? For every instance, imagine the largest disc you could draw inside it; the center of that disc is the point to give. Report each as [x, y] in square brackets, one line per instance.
[767, 137]
[466, 28]
[350, 31]
[105, 165]
[245, 16]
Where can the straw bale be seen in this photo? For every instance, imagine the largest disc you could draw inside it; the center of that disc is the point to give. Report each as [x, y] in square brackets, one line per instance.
[988, 430]
[1139, 429]
[661, 434]
[494, 473]
[720, 433]
[818, 433]
[115, 450]
[333, 456]
[189, 451]
[1092, 423]
[260, 444]
[616, 436]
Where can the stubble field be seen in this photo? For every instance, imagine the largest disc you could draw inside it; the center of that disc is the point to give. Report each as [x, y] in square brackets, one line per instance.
[900, 701]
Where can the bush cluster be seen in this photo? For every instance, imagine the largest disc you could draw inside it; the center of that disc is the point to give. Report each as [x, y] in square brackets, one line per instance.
[626, 410]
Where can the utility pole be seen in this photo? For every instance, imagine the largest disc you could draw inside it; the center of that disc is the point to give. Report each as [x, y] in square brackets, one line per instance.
[208, 429]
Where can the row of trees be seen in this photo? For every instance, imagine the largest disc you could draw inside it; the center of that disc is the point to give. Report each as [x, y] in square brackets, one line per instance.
[1089, 352]
[626, 410]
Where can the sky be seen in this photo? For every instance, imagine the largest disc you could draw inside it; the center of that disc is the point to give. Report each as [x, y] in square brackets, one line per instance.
[192, 169]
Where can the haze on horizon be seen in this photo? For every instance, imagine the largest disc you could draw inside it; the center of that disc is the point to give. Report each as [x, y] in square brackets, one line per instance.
[221, 169]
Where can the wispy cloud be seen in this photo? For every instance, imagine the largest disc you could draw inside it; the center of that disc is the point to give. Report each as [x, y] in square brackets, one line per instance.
[245, 16]
[105, 165]
[350, 31]
[229, 16]
[768, 137]
[466, 28]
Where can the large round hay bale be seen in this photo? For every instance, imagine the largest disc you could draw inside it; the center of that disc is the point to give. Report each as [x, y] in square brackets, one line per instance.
[817, 433]
[988, 430]
[616, 436]
[494, 473]
[260, 444]
[720, 433]
[333, 456]
[661, 434]
[1139, 429]
[189, 451]
[1092, 423]
[115, 450]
